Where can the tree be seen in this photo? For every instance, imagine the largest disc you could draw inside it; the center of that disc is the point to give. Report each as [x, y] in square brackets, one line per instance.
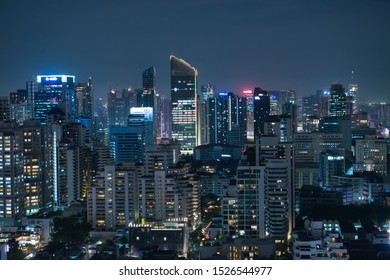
[14, 252]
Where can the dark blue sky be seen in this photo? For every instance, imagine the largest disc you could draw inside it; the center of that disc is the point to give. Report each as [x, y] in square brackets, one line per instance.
[277, 44]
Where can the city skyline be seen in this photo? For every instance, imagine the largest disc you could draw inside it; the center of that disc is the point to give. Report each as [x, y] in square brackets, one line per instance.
[234, 46]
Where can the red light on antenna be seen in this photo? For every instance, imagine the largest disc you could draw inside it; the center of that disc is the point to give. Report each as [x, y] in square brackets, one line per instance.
[247, 91]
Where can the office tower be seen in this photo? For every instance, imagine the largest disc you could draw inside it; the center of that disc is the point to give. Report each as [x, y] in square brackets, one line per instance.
[261, 111]
[113, 198]
[323, 99]
[353, 96]
[4, 108]
[55, 91]
[118, 106]
[143, 116]
[280, 126]
[184, 94]
[279, 100]
[248, 95]
[12, 188]
[127, 143]
[36, 163]
[226, 116]
[20, 109]
[147, 97]
[32, 88]
[207, 91]
[341, 125]
[337, 103]
[310, 110]
[371, 155]
[85, 101]
[237, 132]
[360, 120]
[331, 164]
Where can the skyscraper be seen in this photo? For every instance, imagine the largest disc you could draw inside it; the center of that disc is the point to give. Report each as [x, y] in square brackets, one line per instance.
[148, 88]
[261, 111]
[337, 103]
[352, 96]
[226, 119]
[184, 83]
[207, 91]
[84, 93]
[11, 172]
[55, 91]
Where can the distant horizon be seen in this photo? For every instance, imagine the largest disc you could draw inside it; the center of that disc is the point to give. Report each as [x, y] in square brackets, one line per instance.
[119, 88]
[302, 45]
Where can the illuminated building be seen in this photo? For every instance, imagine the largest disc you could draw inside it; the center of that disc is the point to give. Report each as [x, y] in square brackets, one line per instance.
[113, 198]
[331, 164]
[226, 113]
[261, 111]
[127, 143]
[352, 96]
[184, 83]
[341, 125]
[84, 93]
[322, 98]
[371, 155]
[280, 100]
[163, 105]
[207, 91]
[12, 187]
[20, 108]
[337, 103]
[55, 91]
[147, 98]
[4, 108]
[118, 106]
[168, 236]
[248, 94]
[36, 162]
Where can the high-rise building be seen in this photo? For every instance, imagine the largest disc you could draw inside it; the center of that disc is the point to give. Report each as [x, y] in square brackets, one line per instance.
[20, 108]
[337, 103]
[251, 202]
[84, 93]
[371, 155]
[248, 95]
[4, 108]
[147, 99]
[127, 143]
[118, 106]
[36, 163]
[113, 198]
[331, 164]
[226, 114]
[353, 96]
[12, 188]
[184, 91]
[55, 91]
[207, 91]
[261, 111]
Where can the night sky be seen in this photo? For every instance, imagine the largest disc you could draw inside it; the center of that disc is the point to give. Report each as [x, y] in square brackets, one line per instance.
[303, 44]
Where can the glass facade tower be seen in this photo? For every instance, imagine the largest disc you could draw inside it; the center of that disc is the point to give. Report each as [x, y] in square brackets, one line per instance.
[184, 79]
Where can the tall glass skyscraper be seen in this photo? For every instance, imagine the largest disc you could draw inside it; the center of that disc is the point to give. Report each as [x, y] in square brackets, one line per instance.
[55, 91]
[148, 88]
[184, 83]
